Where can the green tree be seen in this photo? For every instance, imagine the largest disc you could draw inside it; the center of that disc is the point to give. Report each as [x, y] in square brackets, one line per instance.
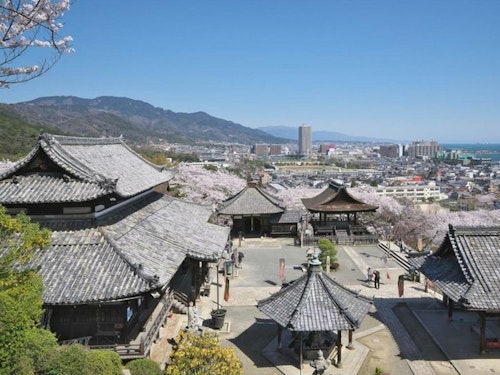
[20, 238]
[201, 354]
[23, 345]
[144, 366]
[327, 249]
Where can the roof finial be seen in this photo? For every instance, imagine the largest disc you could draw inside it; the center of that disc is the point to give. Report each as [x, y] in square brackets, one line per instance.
[315, 263]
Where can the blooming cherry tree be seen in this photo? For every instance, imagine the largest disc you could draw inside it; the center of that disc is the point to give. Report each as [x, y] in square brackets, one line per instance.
[25, 27]
[5, 165]
[205, 186]
[408, 222]
[396, 219]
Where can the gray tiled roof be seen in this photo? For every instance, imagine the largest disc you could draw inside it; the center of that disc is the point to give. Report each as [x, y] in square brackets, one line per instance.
[287, 217]
[335, 198]
[166, 231]
[467, 266]
[47, 188]
[120, 254]
[251, 201]
[80, 267]
[316, 302]
[100, 165]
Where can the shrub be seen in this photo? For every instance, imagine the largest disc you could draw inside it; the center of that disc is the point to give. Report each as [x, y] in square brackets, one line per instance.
[327, 249]
[201, 354]
[103, 362]
[144, 366]
[69, 360]
[78, 360]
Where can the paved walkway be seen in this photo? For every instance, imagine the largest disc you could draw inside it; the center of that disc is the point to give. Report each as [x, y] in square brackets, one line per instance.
[253, 335]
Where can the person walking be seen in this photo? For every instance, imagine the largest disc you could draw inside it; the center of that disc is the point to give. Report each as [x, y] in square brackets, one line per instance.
[377, 279]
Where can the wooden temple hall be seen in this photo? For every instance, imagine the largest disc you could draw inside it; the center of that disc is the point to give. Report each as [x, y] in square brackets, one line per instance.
[334, 212]
[466, 269]
[255, 213]
[123, 253]
[311, 313]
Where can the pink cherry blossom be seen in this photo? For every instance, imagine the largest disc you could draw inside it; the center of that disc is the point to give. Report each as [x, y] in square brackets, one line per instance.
[26, 25]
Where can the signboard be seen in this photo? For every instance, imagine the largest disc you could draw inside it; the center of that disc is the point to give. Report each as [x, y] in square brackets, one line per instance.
[281, 272]
[401, 285]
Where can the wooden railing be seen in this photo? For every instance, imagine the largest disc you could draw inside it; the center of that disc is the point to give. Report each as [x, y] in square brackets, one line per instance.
[353, 240]
[141, 349]
[154, 331]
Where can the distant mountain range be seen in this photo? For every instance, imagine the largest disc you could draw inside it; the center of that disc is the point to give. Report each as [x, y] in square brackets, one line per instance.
[292, 133]
[137, 121]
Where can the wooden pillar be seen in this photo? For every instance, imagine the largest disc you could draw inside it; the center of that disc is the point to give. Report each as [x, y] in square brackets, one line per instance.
[339, 349]
[350, 346]
[301, 359]
[450, 308]
[482, 332]
[194, 287]
[279, 336]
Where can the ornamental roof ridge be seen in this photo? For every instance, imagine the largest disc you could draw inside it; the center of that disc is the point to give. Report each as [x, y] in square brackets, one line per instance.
[74, 140]
[54, 150]
[21, 163]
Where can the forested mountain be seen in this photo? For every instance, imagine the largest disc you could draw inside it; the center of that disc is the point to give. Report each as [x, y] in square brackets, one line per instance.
[136, 120]
[17, 136]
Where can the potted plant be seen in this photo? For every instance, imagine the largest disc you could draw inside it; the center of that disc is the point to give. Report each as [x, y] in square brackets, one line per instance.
[218, 316]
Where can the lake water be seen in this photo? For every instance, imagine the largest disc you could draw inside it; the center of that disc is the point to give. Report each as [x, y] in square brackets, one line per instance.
[479, 150]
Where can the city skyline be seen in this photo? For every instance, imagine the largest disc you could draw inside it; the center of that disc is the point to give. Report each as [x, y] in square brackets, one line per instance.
[399, 70]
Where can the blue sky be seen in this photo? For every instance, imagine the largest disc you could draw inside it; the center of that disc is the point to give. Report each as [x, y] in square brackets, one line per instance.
[409, 70]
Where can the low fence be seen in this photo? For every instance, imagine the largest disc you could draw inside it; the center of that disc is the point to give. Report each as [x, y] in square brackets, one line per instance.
[352, 240]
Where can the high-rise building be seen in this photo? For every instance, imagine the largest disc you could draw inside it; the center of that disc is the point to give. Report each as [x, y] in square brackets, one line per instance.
[274, 149]
[390, 151]
[305, 140]
[261, 149]
[325, 148]
[424, 149]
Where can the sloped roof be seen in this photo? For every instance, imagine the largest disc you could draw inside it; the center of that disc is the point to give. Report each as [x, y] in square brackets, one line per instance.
[90, 167]
[287, 217]
[251, 201]
[81, 266]
[45, 188]
[131, 251]
[466, 267]
[336, 199]
[316, 302]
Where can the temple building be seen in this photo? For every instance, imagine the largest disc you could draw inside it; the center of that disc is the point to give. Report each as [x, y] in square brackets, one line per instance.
[123, 253]
[254, 213]
[335, 212]
[465, 268]
[314, 310]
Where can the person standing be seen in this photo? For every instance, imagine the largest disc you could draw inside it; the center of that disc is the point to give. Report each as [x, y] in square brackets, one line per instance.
[240, 259]
[369, 274]
[377, 279]
[193, 317]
